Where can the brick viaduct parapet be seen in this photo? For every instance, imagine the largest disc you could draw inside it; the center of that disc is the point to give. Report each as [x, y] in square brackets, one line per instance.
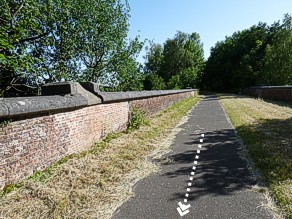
[67, 119]
[271, 92]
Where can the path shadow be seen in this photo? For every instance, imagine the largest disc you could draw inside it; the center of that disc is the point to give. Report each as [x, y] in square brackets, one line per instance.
[220, 170]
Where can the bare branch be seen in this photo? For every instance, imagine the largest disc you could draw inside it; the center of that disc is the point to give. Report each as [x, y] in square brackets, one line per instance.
[15, 14]
[17, 89]
[30, 38]
[100, 57]
[18, 10]
[11, 76]
[3, 20]
[28, 86]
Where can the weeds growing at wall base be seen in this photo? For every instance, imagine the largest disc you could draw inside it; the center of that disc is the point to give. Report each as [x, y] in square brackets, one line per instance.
[137, 119]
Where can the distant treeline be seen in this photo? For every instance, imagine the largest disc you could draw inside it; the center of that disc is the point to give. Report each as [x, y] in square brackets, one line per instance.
[259, 55]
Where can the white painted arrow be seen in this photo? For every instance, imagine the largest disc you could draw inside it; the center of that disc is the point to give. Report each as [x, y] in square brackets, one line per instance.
[183, 209]
[182, 213]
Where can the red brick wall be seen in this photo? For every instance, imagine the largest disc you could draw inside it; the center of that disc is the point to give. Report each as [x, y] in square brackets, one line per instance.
[156, 104]
[274, 93]
[33, 144]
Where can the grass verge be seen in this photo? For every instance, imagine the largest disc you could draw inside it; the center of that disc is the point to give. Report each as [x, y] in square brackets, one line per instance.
[266, 131]
[93, 184]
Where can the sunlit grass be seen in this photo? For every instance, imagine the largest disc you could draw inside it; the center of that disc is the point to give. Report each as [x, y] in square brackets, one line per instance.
[266, 130]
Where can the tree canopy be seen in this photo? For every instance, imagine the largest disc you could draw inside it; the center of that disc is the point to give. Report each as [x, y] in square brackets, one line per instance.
[45, 41]
[176, 64]
[278, 59]
[57, 40]
[255, 56]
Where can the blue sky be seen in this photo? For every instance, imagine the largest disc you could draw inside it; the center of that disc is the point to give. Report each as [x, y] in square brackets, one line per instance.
[213, 19]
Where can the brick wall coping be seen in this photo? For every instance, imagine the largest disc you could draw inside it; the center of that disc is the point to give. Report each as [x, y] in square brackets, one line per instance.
[69, 95]
[11, 107]
[109, 97]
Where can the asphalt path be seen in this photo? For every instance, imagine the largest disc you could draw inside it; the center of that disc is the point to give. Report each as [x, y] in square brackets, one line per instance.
[221, 185]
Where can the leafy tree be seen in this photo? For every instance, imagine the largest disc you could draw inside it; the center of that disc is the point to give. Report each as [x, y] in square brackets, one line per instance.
[153, 82]
[258, 55]
[186, 78]
[103, 25]
[236, 62]
[182, 52]
[128, 79]
[152, 67]
[19, 30]
[177, 63]
[57, 40]
[278, 60]
[175, 82]
[154, 58]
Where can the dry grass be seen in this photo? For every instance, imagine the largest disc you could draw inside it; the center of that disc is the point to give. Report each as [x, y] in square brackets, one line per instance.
[266, 130]
[95, 183]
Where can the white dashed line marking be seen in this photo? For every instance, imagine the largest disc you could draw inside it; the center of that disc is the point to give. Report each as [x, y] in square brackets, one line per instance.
[183, 209]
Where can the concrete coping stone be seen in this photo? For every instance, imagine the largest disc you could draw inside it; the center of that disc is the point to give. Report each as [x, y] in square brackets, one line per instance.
[18, 106]
[55, 97]
[69, 95]
[108, 97]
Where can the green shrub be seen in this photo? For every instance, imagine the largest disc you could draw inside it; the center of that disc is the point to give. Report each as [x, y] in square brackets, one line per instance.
[137, 119]
[5, 122]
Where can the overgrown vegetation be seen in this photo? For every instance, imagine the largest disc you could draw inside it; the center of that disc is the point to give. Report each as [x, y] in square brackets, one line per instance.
[137, 119]
[94, 183]
[266, 130]
[5, 122]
